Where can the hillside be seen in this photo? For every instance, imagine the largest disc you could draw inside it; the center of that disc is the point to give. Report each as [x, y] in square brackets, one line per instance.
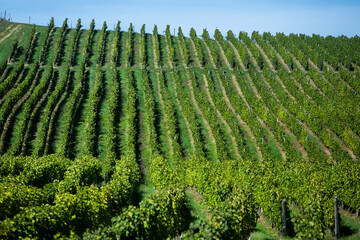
[224, 128]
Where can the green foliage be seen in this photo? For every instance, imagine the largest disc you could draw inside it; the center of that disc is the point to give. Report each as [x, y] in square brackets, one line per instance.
[161, 173]
[101, 45]
[15, 95]
[40, 171]
[45, 41]
[83, 172]
[309, 221]
[272, 99]
[162, 215]
[13, 165]
[124, 179]
[233, 219]
[68, 198]
[59, 44]
[9, 81]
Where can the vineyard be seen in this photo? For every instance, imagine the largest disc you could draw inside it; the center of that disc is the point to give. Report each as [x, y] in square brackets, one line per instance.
[114, 134]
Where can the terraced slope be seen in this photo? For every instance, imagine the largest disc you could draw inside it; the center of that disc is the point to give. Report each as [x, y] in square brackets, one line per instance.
[276, 115]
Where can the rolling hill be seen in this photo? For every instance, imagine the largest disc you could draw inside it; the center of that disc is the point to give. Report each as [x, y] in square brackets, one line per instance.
[111, 133]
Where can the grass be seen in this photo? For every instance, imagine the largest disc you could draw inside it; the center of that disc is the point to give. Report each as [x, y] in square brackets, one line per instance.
[349, 229]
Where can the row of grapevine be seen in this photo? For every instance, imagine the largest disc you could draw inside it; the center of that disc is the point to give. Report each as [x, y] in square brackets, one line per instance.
[156, 47]
[350, 77]
[188, 112]
[45, 42]
[261, 135]
[54, 97]
[169, 117]
[198, 48]
[184, 50]
[170, 48]
[150, 117]
[142, 46]
[100, 52]
[13, 51]
[3, 69]
[336, 112]
[181, 108]
[56, 59]
[129, 146]
[29, 45]
[44, 124]
[23, 128]
[207, 83]
[95, 96]
[64, 148]
[129, 46]
[224, 148]
[186, 134]
[169, 133]
[311, 108]
[111, 148]
[88, 46]
[91, 123]
[12, 79]
[272, 208]
[13, 101]
[328, 198]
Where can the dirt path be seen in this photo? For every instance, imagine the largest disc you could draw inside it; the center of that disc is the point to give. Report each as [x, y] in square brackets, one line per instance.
[209, 53]
[295, 142]
[272, 68]
[206, 123]
[222, 55]
[333, 71]
[11, 32]
[168, 54]
[242, 122]
[181, 55]
[192, 141]
[6, 29]
[324, 148]
[228, 129]
[287, 69]
[343, 145]
[154, 53]
[165, 114]
[312, 83]
[197, 61]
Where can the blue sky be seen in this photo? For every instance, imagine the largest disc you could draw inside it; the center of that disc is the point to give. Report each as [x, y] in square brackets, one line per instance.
[324, 17]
